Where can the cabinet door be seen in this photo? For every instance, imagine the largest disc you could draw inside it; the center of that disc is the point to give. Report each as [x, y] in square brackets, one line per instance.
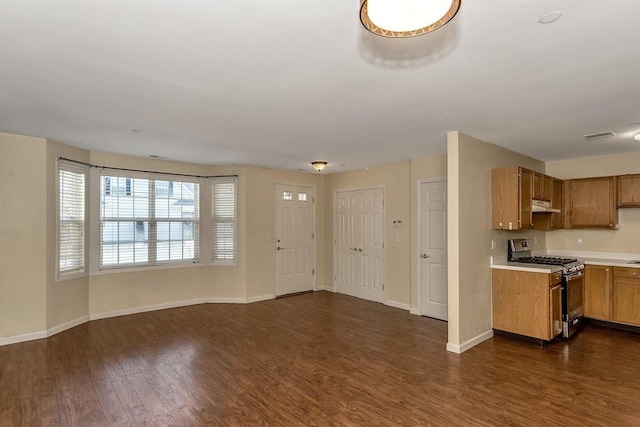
[505, 201]
[557, 198]
[538, 179]
[592, 203]
[626, 300]
[555, 310]
[629, 191]
[597, 292]
[521, 303]
[547, 187]
[526, 193]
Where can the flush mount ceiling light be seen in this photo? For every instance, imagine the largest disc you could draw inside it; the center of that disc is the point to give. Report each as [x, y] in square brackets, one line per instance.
[319, 166]
[406, 18]
[637, 137]
[550, 17]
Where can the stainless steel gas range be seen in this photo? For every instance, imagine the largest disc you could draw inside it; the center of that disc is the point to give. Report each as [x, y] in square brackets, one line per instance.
[519, 250]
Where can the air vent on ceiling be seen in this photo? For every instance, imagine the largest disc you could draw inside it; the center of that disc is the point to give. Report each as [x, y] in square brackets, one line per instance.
[599, 135]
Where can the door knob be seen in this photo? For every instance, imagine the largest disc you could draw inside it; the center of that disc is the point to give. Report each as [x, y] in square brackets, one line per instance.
[279, 248]
[359, 249]
[425, 256]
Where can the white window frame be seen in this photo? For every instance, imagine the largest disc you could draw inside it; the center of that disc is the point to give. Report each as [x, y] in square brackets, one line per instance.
[212, 182]
[98, 268]
[79, 168]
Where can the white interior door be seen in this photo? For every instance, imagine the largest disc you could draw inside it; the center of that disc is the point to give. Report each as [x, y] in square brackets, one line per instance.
[433, 249]
[294, 239]
[359, 244]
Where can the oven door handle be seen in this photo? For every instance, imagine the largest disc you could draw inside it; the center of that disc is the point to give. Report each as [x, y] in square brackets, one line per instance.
[575, 276]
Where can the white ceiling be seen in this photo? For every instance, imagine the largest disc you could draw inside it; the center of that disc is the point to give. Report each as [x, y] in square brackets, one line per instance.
[281, 83]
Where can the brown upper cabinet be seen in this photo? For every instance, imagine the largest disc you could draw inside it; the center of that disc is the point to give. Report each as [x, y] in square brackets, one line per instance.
[511, 193]
[591, 203]
[542, 186]
[629, 191]
[513, 190]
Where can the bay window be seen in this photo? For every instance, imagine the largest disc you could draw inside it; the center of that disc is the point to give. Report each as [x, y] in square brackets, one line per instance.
[146, 220]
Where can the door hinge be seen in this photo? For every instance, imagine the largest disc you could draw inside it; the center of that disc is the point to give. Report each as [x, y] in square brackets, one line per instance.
[383, 286]
[313, 200]
[313, 235]
[382, 245]
[313, 272]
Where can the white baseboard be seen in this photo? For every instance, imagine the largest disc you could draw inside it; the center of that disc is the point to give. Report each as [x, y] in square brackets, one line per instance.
[143, 309]
[67, 325]
[461, 348]
[397, 304]
[44, 334]
[260, 298]
[415, 311]
[226, 300]
[22, 338]
[325, 288]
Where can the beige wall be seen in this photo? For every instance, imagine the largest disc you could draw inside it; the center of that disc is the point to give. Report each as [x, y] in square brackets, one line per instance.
[396, 180]
[68, 300]
[254, 276]
[469, 165]
[260, 222]
[23, 235]
[421, 168]
[125, 291]
[625, 238]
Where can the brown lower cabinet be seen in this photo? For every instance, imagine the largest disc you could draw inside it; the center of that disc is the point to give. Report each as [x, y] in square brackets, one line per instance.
[527, 303]
[626, 295]
[612, 294]
[598, 283]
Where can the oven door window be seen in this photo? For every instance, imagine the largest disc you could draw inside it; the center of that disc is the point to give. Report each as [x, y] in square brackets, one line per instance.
[575, 296]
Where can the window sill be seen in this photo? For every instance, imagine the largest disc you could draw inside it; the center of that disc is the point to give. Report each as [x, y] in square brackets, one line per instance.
[65, 277]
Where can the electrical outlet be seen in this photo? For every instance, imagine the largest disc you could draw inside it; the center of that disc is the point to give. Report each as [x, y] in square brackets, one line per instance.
[156, 287]
[580, 241]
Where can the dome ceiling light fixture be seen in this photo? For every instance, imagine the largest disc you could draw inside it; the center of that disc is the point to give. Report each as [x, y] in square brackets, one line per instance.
[406, 18]
[319, 166]
[637, 137]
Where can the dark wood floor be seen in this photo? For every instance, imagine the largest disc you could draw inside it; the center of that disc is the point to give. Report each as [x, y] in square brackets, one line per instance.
[314, 359]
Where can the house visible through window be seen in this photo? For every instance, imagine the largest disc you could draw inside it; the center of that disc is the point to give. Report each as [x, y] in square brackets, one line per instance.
[71, 218]
[144, 221]
[223, 211]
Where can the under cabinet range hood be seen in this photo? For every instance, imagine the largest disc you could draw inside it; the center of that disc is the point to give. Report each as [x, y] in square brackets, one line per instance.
[542, 206]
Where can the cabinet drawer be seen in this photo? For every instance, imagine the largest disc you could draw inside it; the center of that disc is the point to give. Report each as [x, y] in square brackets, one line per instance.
[555, 278]
[626, 272]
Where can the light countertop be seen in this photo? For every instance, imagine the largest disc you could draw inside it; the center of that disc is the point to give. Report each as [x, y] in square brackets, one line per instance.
[540, 268]
[609, 262]
[533, 268]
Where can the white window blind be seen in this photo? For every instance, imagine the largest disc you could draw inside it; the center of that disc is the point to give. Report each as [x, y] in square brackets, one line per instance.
[146, 221]
[223, 211]
[71, 219]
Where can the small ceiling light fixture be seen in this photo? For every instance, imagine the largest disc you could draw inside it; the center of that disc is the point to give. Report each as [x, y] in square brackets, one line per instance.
[637, 137]
[406, 18]
[550, 17]
[319, 166]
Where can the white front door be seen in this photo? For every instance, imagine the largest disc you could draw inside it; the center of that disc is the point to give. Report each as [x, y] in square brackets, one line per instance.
[433, 249]
[294, 239]
[359, 269]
